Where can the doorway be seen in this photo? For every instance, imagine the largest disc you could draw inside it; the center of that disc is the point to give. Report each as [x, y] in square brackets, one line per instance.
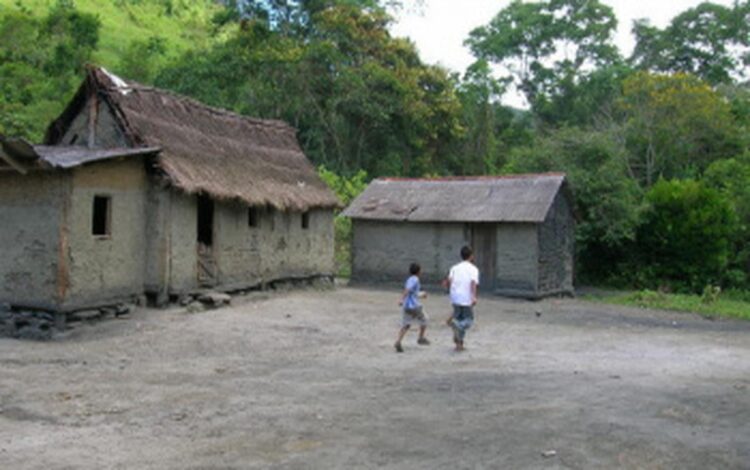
[207, 270]
[484, 246]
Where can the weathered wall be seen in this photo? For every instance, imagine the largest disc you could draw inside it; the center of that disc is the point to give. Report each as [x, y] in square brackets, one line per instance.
[158, 240]
[30, 221]
[183, 255]
[517, 259]
[106, 132]
[105, 268]
[277, 248]
[382, 251]
[556, 249]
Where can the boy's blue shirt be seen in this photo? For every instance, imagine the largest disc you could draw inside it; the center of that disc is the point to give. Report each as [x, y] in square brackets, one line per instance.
[412, 297]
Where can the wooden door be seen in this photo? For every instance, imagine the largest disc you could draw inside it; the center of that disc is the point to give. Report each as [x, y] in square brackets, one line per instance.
[483, 244]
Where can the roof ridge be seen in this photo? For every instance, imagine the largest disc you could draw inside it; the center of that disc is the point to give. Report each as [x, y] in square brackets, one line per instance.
[135, 86]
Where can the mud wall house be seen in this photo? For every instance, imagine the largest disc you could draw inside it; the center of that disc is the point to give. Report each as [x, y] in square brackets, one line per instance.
[521, 228]
[137, 190]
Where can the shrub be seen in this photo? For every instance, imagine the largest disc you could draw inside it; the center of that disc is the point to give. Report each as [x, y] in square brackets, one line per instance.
[686, 236]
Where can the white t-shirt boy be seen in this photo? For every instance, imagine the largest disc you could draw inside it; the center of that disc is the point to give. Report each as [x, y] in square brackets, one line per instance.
[461, 275]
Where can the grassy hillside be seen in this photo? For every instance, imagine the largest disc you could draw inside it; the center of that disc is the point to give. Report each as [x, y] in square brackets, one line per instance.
[182, 24]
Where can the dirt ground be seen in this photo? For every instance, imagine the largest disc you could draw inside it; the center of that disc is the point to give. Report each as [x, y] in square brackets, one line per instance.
[309, 379]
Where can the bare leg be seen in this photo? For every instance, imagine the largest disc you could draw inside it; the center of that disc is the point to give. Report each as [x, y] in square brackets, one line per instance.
[422, 340]
[401, 334]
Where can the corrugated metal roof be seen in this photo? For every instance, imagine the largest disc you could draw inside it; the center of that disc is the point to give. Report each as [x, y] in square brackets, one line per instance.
[59, 156]
[64, 156]
[515, 198]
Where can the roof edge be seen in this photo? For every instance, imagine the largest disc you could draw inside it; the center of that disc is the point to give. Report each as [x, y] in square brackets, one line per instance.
[474, 178]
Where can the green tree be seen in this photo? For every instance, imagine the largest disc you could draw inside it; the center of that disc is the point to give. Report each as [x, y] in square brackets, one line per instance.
[709, 41]
[479, 94]
[360, 98]
[675, 126]
[686, 235]
[41, 63]
[547, 46]
[731, 177]
[143, 59]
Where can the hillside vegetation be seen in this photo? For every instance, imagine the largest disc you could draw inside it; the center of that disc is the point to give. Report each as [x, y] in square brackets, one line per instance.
[180, 24]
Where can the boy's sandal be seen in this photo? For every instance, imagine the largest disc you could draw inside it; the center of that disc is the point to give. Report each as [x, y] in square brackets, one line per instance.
[423, 341]
[398, 347]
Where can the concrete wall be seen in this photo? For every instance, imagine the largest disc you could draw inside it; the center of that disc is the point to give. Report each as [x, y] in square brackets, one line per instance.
[382, 251]
[107, 268]
[106, 131]
[556, 252]
[277, 248]
[517, 260]
[31, 217]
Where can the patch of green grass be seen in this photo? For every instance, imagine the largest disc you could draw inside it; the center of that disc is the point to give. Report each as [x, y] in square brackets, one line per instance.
[710, 306]
[182, 24]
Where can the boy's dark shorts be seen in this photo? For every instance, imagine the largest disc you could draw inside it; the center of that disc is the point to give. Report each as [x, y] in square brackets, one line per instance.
[463, 316]
[414, 316]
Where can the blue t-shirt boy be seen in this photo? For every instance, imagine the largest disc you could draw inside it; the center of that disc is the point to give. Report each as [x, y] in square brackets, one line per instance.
[412, 287]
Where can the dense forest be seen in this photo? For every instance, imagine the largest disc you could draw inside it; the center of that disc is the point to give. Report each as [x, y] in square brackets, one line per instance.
[656, 145]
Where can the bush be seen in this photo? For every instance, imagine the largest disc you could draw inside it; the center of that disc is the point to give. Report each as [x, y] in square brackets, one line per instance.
[685, 239]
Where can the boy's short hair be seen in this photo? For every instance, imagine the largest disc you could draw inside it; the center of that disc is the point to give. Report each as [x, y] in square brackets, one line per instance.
[466, 252]
[414, 269]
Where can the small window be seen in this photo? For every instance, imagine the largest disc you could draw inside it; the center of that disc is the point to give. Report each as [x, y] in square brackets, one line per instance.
[305, 220]
[100, 224]
[253, 219]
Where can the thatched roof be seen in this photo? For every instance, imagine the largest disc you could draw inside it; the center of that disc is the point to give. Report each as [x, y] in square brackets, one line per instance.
[204, 149]
[516, 198]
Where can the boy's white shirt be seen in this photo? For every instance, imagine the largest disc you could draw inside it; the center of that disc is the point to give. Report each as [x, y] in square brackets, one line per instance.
[460, 277]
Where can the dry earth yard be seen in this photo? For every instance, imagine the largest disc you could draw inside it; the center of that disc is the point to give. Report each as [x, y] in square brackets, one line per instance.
[309, 379]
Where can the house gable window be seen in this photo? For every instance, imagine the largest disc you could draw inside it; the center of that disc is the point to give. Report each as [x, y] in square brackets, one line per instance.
[101, 220]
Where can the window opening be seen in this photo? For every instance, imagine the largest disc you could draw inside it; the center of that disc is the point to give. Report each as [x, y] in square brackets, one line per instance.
[205, 220]
[305, 220]
[100, 221]
[252, 217]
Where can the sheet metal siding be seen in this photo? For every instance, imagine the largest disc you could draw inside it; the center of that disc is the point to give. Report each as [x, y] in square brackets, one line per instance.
[503, 199]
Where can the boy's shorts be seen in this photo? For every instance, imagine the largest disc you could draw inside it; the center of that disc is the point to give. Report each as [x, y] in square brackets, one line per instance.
[413, 316]
[463, 318]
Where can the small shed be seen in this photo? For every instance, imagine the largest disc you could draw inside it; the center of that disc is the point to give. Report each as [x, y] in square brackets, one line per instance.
[138, 190]
[521, 228]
